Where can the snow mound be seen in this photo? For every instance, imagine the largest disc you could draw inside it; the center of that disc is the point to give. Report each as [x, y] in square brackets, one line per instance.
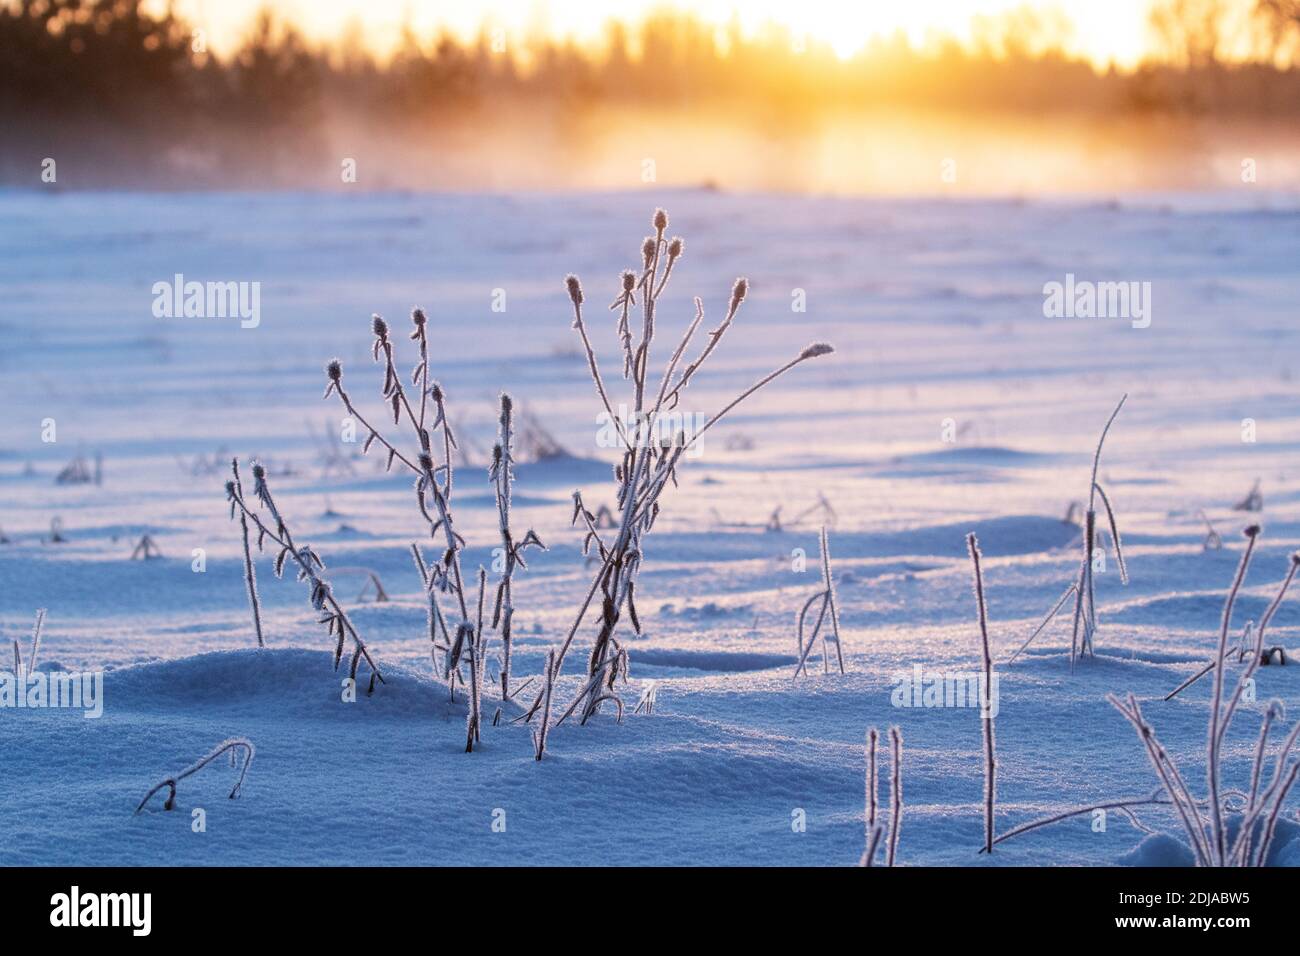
[1159, 849]
[980, 463]
[289, 681]
[1186, 610]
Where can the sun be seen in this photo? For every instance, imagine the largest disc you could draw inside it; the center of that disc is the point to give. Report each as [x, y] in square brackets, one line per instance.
[844, 28]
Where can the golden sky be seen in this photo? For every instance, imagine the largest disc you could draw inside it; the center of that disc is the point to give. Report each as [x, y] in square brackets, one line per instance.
[1104, 31]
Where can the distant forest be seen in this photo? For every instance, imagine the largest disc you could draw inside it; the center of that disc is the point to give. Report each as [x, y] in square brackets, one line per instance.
[138, 93]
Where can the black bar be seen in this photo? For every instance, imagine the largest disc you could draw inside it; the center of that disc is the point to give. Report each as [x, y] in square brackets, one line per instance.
[939, 904]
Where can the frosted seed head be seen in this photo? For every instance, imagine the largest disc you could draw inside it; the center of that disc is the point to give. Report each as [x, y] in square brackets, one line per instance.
[675, 247]
[1295, 557]
[574, 287]
[660, 220]
[258, 471]
[435, 392]
[648, 250]
[379, 326]
[1252, 530]
[418, 317]
[507, 404]
[739, 291]
[816, 349]
[629, 280]
[334, 370]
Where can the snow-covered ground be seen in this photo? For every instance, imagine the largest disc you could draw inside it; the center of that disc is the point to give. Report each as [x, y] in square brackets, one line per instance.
[936, 310]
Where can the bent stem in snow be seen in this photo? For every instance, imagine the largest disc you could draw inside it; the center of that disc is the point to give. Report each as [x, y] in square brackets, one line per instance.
[828, 608]
[232, 745]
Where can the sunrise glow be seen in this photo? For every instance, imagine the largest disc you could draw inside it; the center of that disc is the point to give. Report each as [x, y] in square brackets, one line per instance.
[1103, 31]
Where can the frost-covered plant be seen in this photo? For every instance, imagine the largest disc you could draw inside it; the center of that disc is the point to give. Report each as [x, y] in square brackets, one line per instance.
[500, 473]
[649, 461]
[457, 638]
[231, 745]
[19, 670]
[250, 572]
[649, 696]
[1083, 590]
[475, 647]
[310, 567]
[1208, 822]
[827, 608]
[548, 684]
[876, 830]
[36, 641]
[986, 713]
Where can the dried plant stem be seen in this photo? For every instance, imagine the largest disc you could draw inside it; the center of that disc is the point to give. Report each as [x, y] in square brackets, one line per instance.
[1216, 701]
[1059, 817]
[874, 831]
[500, 473]
[309, 566]
[1069, 590]
[812, 351]
[873, 739]
[250, 574]
[1096, 458]
[1085, 597]
[473, 643]
[829, 581]
[1083, 591]
[648, 465]
[233, 744]
[873, 843]
[828, 608]
[806, 648]
[1170, 778]
[36, 642]
[594, 366]
[895, 793]
[1270, 826]
[986, 716]
[548, 683]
